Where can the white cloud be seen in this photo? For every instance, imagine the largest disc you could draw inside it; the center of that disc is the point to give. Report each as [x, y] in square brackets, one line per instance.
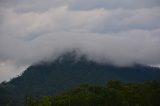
[136, 46]
[122, 34]
[63, 19]
[8, 70]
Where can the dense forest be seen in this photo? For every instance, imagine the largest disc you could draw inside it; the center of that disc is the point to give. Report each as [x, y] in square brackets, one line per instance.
[46, 83]
[114, 93]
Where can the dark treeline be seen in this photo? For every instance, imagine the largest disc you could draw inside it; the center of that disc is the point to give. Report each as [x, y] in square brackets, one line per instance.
[114, 93]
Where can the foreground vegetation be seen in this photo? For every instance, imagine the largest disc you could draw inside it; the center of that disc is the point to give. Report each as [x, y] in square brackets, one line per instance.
[115, 93]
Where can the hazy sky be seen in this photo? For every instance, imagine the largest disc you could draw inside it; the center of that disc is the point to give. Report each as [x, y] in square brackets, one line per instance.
[122, 32]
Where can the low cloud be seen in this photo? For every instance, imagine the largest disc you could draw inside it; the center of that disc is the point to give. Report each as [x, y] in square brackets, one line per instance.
[123, 48]
[121, 34]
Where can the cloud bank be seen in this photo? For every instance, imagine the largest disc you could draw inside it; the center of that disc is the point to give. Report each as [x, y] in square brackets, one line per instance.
[120, 32]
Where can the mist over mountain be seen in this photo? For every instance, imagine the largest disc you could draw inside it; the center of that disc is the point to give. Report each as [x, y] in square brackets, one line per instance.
[121, 32]
[67, 71]
[54, 45]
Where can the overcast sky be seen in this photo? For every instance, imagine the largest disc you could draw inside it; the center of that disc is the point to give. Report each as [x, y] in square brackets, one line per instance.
[122, 32]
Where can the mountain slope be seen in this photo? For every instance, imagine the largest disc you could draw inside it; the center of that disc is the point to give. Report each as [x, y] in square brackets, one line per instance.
[68, 71]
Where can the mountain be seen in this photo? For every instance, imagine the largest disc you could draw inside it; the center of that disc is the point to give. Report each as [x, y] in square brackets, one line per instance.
[65, 72]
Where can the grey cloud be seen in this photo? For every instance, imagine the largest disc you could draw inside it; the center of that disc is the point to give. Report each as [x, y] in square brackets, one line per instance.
[30, 5]
[122, 49]
[120, 32]
[30, 37]
[113, 4]
[9, 69]
[63, 19]
[41, 5]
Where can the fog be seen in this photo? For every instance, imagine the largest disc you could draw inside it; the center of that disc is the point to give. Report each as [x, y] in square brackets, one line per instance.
[118, 32]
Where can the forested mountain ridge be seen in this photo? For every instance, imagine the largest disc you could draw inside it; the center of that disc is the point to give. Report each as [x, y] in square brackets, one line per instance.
[114, 93]
[66, 72]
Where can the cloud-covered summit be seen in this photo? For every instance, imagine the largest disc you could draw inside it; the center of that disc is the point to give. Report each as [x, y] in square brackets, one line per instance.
[121, 32]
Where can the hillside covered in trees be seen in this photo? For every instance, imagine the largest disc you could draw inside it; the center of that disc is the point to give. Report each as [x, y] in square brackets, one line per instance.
[114, 93]
[66, 72]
